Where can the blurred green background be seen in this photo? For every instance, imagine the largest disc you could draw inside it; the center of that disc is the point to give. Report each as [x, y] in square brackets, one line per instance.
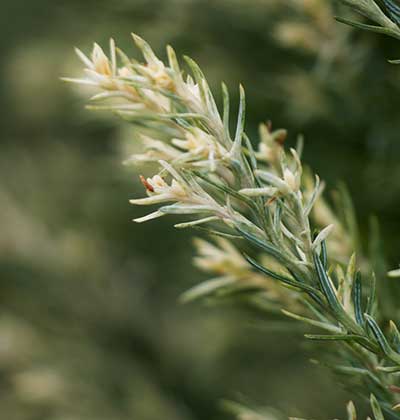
[90, 327]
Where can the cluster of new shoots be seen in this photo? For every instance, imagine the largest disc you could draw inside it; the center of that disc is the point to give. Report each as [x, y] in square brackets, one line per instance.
[252, 195]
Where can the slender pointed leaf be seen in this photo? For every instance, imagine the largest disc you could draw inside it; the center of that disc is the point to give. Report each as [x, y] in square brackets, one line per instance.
[265, 246]
[376, 408]
[226, 105]
[373, 28]
[313, 322]
[281, 278]
[207, 288]
[237, 144]
[356, 295]
[380, 338]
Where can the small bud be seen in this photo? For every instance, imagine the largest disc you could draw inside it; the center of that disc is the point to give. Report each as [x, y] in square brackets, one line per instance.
[291, 180]
[146, 184]
[280, 136]
[101, 61]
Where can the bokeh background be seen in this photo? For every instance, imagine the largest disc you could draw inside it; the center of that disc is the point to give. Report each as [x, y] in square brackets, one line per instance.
[90, 326]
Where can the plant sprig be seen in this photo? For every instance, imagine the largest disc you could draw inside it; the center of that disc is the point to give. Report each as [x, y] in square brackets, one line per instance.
[260, 195]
